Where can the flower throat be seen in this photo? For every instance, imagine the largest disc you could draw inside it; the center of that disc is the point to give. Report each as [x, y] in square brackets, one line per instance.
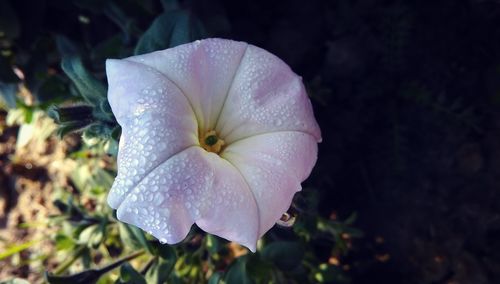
[211, 142]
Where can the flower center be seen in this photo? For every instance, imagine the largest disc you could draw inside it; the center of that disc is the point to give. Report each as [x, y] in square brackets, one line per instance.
[211, 142]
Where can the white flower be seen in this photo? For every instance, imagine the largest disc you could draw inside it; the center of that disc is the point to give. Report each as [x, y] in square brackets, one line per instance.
[215, 132]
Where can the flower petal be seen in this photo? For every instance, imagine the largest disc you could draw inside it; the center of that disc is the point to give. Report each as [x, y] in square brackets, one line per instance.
[274, 165]
[265, 96]
[193, 186]
[156, 122]
[256, 105]
[233, 214]
[203, 70]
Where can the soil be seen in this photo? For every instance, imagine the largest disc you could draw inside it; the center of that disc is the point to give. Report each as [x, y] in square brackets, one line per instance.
[28, 176]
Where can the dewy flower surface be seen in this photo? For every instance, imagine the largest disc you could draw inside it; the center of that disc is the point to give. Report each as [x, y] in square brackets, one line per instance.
[216, 132]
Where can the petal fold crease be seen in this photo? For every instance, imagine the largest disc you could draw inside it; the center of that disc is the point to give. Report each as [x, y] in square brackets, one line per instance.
[265, 96]
[274, 169]
[193, 186]
[156, 122]
[203, 70]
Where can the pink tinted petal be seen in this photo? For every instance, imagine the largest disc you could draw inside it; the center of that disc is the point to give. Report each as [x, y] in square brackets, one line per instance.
[193, 186]
[265, 96]
[166, 182]
[203, 70]
[162, 203]
[274, 165]
[233, 212]
[156, 122]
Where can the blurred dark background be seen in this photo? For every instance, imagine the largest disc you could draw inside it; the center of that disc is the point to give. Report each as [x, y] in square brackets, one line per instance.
[407, 94]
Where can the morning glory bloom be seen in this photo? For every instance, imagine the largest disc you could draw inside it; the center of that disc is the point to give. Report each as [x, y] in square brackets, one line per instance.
[216, 132]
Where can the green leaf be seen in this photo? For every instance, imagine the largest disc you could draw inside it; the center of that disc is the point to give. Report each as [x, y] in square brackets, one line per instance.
[141, 237]
[127, 24]
[102, 178]
[72, 126]
[70, 114]
[213, 243]
[187, 29]
[16, 249]
[166, 252]
[93, 235]
[135, 237]
[91, 89]
[97, 130]
[258, 268]
[160, 271]
[116, 133]
[163, 267]
[128, 238]
[112, 47]
[284, 254]
[168, 30]
[64, 242]
[100, 235]
[129, 275]
[215, 278]
[87, 234]
[8, 94]
[27, 111]
[111, 147]
[237, 273]
[103, 112]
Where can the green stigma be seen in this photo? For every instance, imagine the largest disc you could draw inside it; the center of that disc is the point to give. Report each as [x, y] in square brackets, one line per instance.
[211, 140]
